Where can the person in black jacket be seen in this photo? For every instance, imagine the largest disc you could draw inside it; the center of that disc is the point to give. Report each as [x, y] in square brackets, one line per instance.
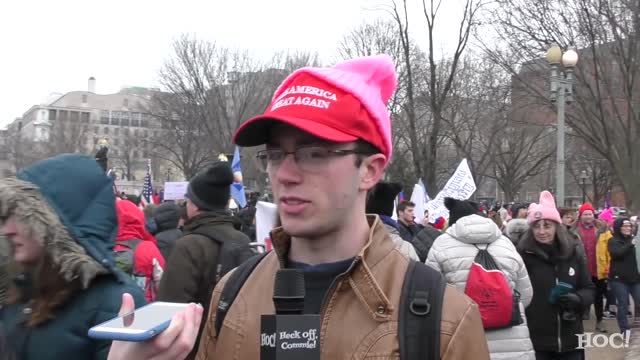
[623, 271]
[551, 256]
[167, 217]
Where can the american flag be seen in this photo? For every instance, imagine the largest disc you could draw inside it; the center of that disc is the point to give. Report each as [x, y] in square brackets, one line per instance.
[147, 190]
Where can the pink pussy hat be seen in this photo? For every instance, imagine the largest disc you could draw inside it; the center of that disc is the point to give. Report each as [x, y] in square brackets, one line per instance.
[545, 210]
[341, 103]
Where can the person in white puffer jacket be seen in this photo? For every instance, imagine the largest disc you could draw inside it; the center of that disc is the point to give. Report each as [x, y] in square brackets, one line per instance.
[454, 252]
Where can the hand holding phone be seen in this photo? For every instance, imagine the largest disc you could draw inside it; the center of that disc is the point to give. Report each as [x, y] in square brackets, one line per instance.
[174, 343]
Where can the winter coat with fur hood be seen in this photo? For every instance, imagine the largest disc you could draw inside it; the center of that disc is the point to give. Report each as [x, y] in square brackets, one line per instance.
[453, 254]
[77, 285]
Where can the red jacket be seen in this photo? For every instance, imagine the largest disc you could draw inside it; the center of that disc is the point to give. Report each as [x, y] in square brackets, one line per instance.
[131, 226]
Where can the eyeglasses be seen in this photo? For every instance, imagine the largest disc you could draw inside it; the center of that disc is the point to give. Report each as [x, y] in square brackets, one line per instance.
[308, 158]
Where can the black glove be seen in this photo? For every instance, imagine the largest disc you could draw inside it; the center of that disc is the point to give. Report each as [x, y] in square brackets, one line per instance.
[570, 301]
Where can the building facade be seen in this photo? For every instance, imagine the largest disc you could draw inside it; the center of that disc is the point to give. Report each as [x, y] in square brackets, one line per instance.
[76, 121]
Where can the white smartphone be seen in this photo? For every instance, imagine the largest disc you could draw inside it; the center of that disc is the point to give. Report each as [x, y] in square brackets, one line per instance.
[139, 325]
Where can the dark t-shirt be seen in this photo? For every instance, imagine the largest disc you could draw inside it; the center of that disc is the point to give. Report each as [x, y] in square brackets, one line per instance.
[317, 280]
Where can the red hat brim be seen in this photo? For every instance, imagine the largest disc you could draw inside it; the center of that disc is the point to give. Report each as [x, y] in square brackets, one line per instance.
[255, 131]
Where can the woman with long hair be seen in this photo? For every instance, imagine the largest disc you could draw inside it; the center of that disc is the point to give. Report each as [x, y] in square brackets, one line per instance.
[562, 286]
[61, 230]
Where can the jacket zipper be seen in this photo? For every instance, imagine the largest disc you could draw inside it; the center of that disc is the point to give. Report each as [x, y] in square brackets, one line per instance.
[329, 293]
[558, 315]
[331, 288]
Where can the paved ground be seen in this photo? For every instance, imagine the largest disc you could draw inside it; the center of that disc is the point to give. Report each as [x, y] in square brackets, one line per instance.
[607, 353]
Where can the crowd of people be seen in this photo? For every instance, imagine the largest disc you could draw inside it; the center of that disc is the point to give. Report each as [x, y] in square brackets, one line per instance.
[75, 254]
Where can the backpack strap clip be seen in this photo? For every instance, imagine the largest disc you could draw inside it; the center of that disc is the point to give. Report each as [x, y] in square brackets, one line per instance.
[420, 305]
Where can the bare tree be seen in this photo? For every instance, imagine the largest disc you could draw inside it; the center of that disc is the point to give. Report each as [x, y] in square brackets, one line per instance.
[438, 79]
[67, 135]
[520, 154]
[208, 92]
[479, 98]
[21, 151]
[129, 153]
[606, 113]
[601, 176]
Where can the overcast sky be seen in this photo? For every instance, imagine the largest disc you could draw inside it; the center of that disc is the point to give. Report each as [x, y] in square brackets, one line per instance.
[55, 46]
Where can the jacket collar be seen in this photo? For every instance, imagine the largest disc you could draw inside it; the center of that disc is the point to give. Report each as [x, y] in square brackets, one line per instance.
[209, 218]
[360, 275]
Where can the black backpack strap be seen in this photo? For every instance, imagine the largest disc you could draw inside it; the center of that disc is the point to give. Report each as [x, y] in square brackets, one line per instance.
[232, 288]
[421, 313]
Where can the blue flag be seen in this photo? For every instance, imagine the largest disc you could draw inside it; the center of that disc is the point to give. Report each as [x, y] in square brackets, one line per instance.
[237, 188]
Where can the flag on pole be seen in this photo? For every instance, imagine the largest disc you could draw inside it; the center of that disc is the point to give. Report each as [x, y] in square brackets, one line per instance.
[147, 189]
[237, 188]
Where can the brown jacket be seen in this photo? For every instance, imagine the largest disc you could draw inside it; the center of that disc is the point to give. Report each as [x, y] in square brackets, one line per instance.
[360, 316]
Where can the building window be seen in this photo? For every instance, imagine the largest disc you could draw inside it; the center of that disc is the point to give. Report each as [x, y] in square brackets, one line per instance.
[84, 99]
[125, 131]
[136, 116]
[145, 133]
[116, 131]
[105, 130]
[116, 142]
[85, 117]
[104, 117]
[52, 115]
[63, 115]
[144, 123]
[125, 122]
[115, 122]
[135, 123]
[136, 133]
[74, 116]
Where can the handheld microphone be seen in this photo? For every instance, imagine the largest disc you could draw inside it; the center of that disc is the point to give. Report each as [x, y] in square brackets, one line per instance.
[288, 292]
[289, 334]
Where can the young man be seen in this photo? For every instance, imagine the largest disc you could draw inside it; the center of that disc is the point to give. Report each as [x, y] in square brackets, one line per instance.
[192, 268]
[328, 139]
[406, 221]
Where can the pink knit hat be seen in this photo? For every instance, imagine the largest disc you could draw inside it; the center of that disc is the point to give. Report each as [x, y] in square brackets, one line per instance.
[545, 210]
[342, 103]
[607, 215]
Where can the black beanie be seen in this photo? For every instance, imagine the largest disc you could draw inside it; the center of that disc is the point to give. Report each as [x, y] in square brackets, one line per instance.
[459, 209]
[210, 189]
[380, 198]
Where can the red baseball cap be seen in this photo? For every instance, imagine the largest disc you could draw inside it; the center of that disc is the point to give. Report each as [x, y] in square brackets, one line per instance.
[340, 104]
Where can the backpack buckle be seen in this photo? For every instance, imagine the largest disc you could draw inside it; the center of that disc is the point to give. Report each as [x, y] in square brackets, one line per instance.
[420, 305]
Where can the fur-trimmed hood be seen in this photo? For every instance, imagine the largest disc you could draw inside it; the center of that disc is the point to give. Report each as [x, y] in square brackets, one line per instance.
[68, 203]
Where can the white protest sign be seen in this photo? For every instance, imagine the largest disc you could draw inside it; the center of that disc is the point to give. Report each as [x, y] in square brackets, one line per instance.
[418, 197]
[266, 220]
[460, 186]
[175, 190]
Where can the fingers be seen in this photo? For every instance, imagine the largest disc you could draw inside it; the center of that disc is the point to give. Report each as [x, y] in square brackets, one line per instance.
[128, 304]
[178, 340]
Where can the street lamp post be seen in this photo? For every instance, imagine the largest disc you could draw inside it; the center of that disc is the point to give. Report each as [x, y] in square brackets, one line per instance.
[583, 179]
[561, 93]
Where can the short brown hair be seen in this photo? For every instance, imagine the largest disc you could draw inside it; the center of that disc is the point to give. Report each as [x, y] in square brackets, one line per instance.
[565, 210]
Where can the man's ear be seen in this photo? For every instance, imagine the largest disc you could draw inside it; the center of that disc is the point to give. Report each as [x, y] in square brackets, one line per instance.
[371, 171]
